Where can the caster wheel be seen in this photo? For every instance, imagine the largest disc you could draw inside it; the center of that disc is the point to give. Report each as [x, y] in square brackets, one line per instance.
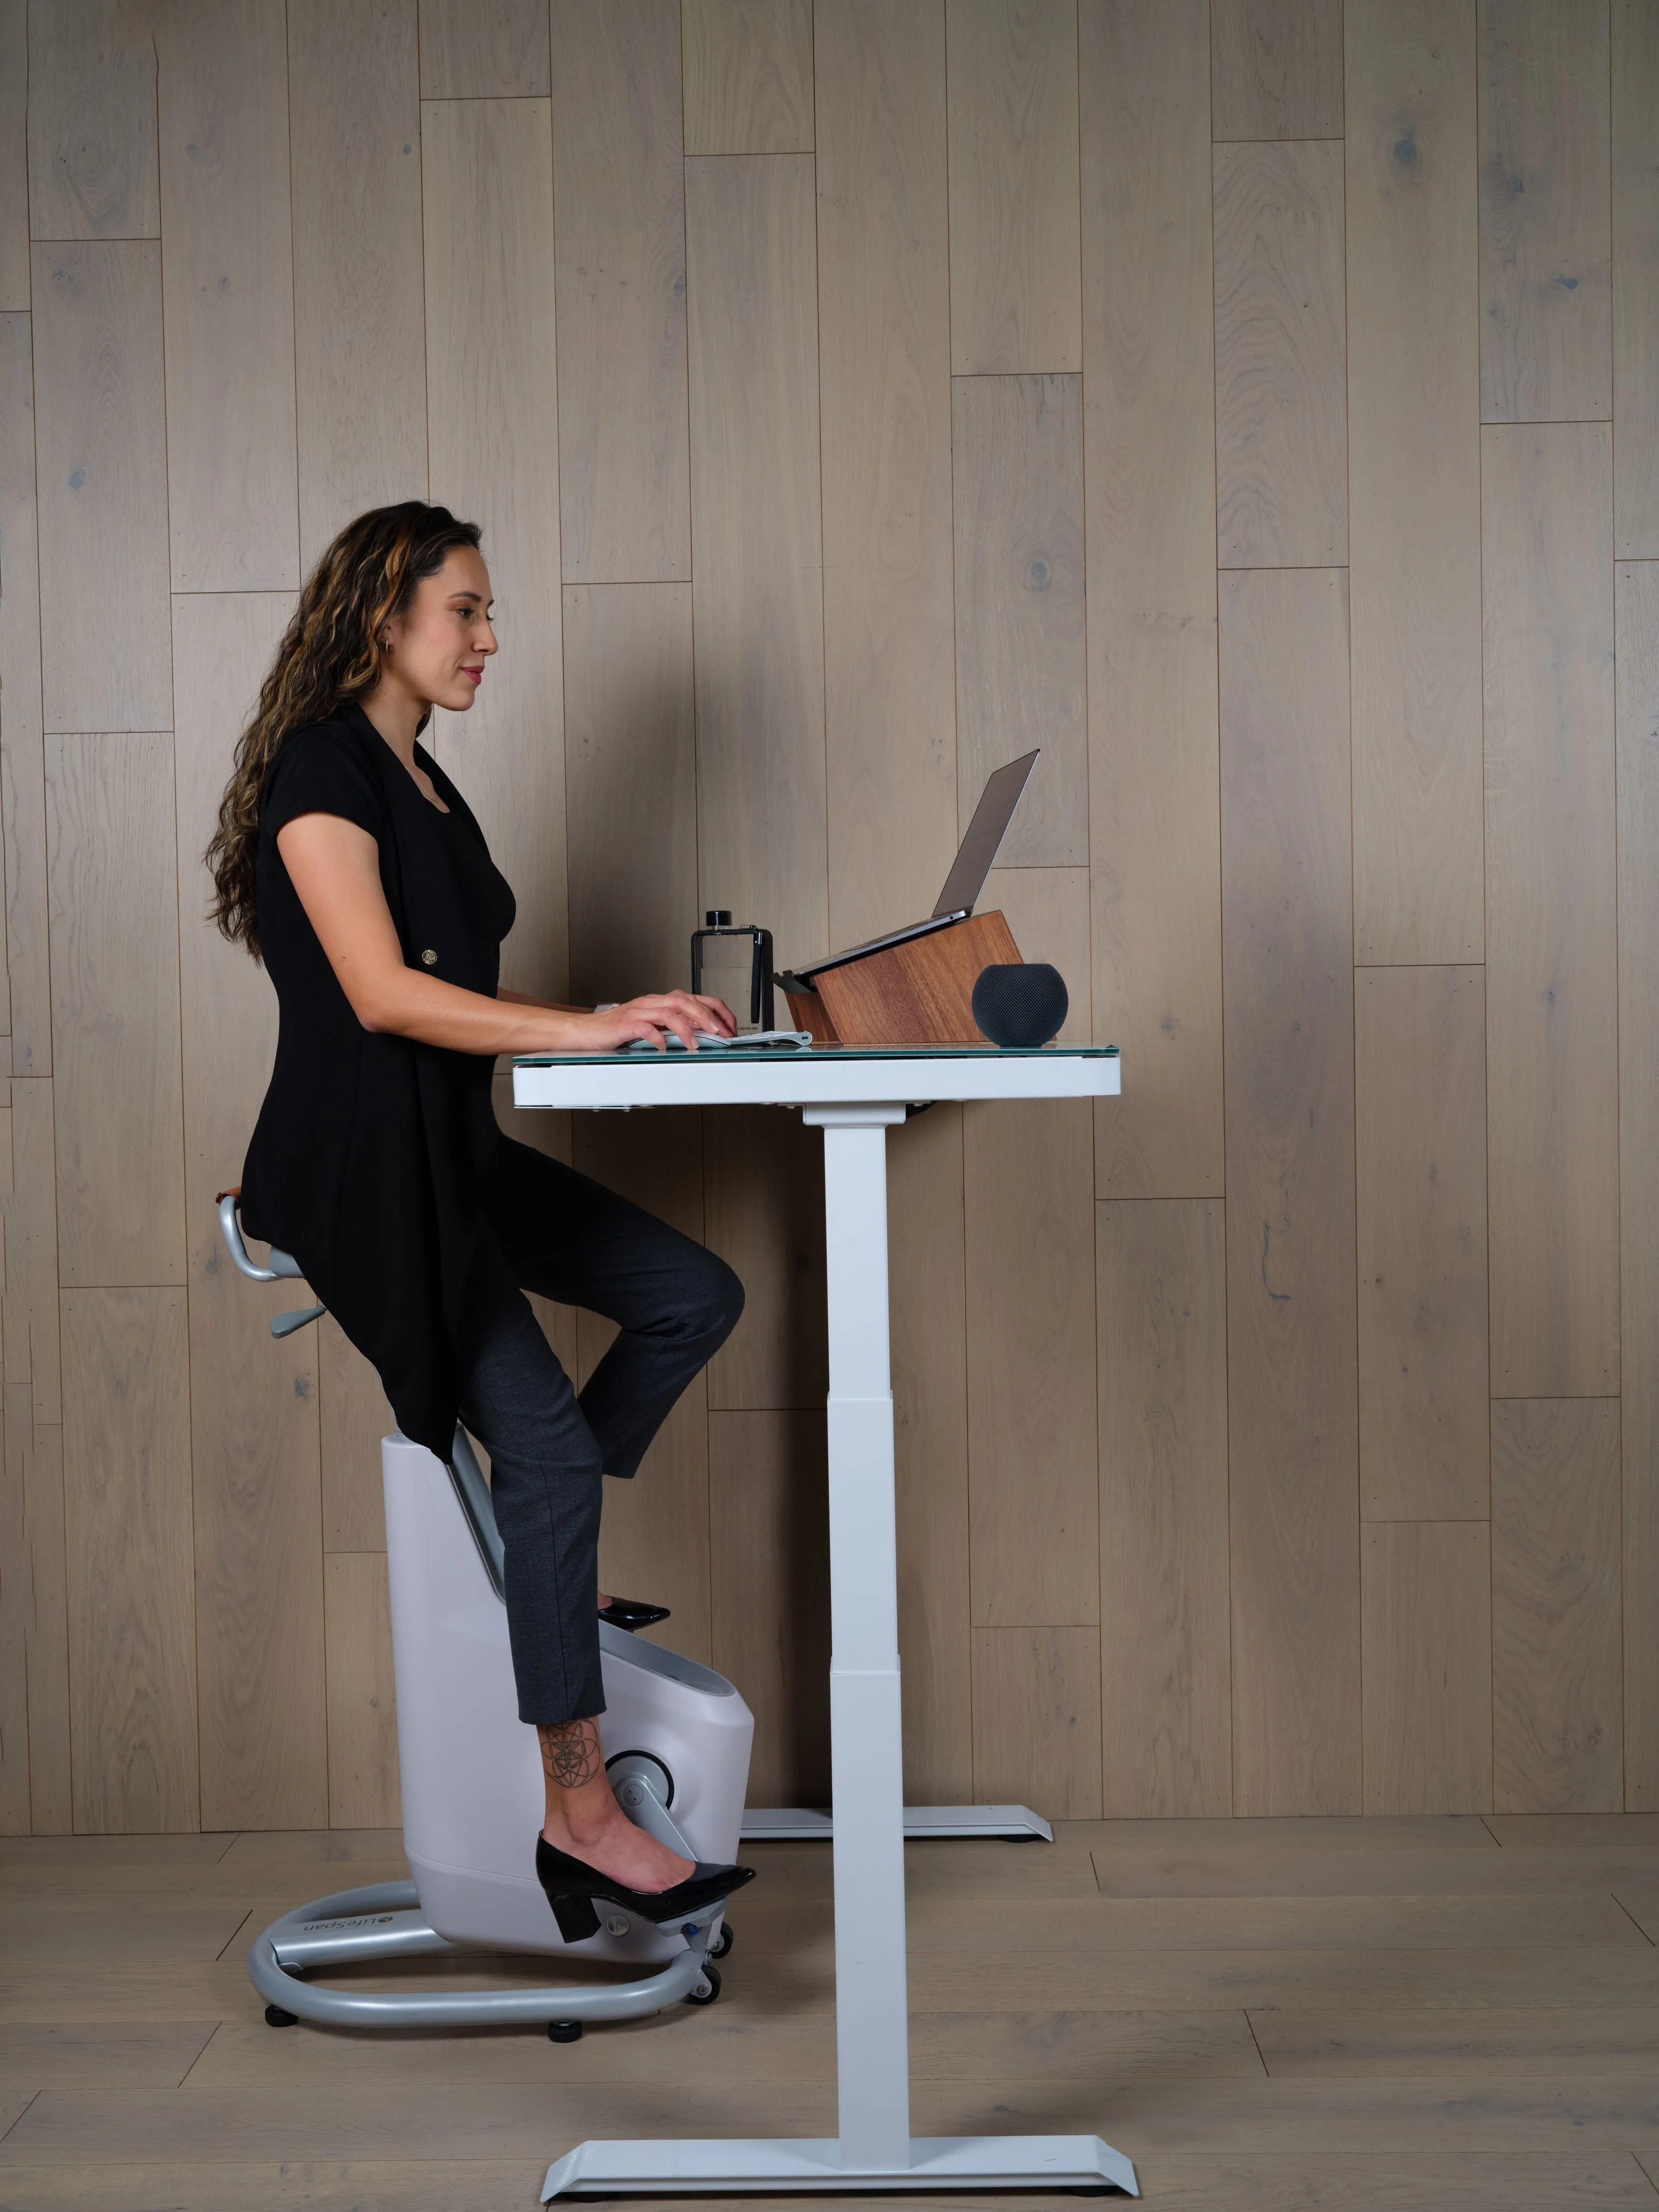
[275, 2017]
[564, 2031]
[719, 1949]
[708, 1988]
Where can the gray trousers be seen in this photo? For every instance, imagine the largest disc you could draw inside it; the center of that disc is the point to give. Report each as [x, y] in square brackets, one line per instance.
[549, 1230]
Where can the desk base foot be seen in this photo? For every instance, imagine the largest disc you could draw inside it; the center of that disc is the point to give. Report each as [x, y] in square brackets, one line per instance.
[772, 1824]
[802, 2166]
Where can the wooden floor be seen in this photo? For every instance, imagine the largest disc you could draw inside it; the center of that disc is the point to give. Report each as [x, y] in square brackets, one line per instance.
[1263, 2014]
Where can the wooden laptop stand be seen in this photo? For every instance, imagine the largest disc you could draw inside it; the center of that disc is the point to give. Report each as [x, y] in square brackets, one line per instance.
[920, 992]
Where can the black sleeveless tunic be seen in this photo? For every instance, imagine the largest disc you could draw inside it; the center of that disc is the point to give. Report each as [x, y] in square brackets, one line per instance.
[368, 1158]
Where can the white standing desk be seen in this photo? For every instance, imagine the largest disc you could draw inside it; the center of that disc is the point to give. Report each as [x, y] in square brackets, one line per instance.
[854, 1097]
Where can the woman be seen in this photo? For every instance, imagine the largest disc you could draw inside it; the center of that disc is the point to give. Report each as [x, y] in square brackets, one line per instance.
[349, 864]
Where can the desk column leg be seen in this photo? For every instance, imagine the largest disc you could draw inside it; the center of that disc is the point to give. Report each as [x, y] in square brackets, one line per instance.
[867, 1765]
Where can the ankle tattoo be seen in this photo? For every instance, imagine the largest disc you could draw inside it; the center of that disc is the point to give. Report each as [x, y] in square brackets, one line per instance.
[570, 1752]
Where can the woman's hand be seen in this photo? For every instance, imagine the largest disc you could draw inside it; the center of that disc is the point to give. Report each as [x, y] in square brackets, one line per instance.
[678, 1013]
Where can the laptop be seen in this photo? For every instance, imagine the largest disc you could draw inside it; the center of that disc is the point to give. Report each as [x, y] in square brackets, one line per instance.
[973, 863]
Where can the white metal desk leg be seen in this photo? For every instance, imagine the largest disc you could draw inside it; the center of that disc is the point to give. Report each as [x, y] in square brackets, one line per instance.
[871, 2023]
[874, 2151]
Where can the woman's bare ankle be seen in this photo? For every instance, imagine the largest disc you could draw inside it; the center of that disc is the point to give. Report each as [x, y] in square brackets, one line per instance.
[584, 1818]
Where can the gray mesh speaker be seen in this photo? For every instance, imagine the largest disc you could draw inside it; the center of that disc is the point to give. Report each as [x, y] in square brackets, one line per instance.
[1022, 1005]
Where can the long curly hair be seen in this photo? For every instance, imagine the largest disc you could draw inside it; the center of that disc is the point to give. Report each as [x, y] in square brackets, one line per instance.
[331, 654]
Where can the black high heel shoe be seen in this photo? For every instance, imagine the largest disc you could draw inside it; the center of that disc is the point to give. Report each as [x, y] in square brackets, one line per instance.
[632, 1612]
[572, 1886]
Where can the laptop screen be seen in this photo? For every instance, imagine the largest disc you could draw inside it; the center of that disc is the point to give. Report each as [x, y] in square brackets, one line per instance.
[986, 831]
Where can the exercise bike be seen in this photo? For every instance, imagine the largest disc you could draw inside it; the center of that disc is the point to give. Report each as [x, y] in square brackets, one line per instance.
[676, 1738]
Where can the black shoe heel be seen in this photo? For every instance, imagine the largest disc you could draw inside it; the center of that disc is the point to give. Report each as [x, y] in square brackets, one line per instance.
[576, 1917]
[573, 1888]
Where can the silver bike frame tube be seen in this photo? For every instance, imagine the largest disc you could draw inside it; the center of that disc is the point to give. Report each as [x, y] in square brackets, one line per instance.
[472, 1494]
[456, 2008]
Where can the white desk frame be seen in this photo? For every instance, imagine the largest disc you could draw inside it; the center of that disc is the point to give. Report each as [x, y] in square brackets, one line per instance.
[855, 1098]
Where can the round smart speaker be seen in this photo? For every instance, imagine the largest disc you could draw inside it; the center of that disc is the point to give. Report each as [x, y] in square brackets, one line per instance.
[1023, 1005]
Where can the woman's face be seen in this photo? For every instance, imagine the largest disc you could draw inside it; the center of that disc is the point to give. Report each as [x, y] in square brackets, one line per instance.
[438, 648]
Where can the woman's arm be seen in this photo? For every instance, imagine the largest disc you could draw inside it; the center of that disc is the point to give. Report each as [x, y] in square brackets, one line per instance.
[335, 867]
[547, 1006]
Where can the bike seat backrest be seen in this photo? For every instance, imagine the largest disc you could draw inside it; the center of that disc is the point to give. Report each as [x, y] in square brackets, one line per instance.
[282, 1264]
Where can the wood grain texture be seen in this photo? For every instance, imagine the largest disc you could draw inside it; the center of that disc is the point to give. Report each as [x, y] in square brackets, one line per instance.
[1166, 1692]
[1573, 2145]
[920, 992]
[28, 995]
[1421, 1104]
[30, 1313]
[1635, 82]
[1014, 303]
[827, 652]
[158, 2056]
[619, 184]
[1558, 1719]
[17, 506]
[1236, 1865]
[1414, 480]
[755, 521]
[353, 1416]
[363, 1701]
[1297, 2046]
[114, 923]
[1021, 656]
[127, 1514]
[748, 76]
[256, 1479]
[491, 2186]
[630, 777]
[1426, 1637]
[101, 451]
[654, 1538]
[1568, 2150]
[1278, 68]
[1637, 594]
[1281, 424]
[13, 1599]
[91, 165]
[227, 296]
[884, 362]
[1105, 1929]
[14, 157]
[1046, 911]
[926, 1293]
[768, 1560]
[483, 49]
[1545, 250]
[1149, 478]
[1551, 972]
[1576, 1831]
[487, 184]
[1292, 1413]
[763, 1184]
[359, 346]
[52, 1804]
[1037, 1720]
[1032, 1420]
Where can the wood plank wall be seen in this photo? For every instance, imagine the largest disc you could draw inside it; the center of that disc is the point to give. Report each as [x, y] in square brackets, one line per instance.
[1254, 404]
